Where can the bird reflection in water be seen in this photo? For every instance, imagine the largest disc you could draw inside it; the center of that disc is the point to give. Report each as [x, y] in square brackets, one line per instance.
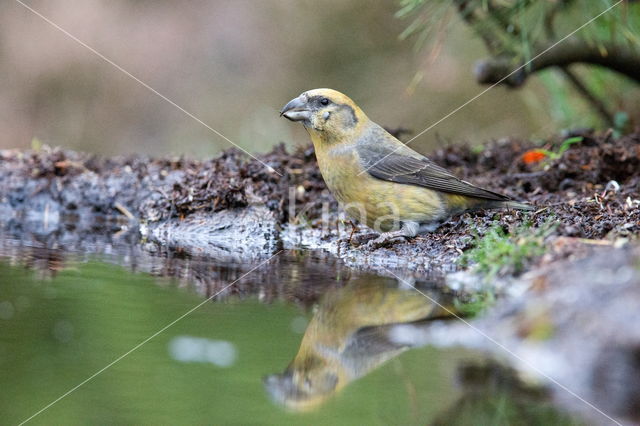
[350, 335]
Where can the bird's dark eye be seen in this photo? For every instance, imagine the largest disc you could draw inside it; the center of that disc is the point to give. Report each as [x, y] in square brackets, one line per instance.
[324, 101]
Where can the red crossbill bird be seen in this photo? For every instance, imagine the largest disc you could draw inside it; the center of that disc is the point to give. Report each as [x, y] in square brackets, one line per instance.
[350, 335]
[377, 179]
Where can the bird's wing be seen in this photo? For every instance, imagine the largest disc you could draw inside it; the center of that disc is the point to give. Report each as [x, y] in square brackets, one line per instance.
[407, 166]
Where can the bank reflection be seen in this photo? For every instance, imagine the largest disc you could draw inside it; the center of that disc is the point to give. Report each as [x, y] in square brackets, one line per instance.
[350, 335]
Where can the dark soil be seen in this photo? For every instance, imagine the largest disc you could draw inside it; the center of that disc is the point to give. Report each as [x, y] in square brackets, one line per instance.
[72, 183]
[592, 191]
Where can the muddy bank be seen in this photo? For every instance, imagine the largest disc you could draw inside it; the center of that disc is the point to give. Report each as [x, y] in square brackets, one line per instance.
[591, 191]
[234, 209]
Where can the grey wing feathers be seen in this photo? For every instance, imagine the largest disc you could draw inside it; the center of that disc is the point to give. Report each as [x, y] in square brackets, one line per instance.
[385, 164]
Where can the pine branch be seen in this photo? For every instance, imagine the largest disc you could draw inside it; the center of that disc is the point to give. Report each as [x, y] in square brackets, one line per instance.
[621, 59]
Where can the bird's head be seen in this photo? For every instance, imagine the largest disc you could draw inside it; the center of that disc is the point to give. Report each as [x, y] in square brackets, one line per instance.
[305, 384]
[327, 112]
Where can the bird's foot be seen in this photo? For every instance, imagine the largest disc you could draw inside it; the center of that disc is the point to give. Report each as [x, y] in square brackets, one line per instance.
[356, 240]
[386, 239]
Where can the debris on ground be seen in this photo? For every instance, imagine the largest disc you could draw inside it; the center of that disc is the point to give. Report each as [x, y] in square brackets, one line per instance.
[591, 190]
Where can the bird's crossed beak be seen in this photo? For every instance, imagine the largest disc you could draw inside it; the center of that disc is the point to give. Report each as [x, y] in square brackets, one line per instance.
[296, 109]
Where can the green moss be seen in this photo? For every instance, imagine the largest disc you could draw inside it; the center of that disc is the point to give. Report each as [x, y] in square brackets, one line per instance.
[501, 252]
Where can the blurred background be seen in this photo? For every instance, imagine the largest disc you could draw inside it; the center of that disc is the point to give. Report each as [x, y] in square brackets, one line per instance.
[233, 64]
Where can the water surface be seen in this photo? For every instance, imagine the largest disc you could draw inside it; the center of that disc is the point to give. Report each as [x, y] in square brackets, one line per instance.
[66, 313]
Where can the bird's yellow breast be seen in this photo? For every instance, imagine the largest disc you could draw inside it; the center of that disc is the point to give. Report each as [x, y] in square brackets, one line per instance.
[379, 204]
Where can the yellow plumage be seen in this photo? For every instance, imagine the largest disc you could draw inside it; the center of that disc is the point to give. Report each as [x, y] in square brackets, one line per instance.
[348, 337]
[376, 178]
[376, 198]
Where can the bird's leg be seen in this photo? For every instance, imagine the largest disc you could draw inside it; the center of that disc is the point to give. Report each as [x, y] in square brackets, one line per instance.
[354, 228]
[385, 239]
[407, 230]
[355, 238]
